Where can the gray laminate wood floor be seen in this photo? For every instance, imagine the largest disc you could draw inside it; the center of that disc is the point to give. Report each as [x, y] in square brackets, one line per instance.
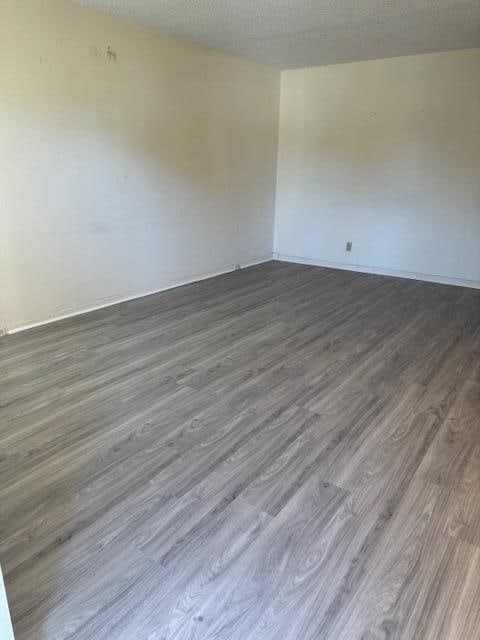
[282, 453]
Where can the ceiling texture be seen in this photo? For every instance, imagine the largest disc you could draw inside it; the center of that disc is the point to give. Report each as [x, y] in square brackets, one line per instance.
[302, 33]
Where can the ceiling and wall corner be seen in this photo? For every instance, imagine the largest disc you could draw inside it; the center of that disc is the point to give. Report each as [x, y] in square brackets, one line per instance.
[301, 33]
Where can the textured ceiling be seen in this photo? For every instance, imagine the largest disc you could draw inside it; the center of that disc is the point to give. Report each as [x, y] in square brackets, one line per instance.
[300, 33]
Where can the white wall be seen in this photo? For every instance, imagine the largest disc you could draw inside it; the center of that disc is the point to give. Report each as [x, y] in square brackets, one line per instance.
[385, 154]
[6, 631]
[122, 177]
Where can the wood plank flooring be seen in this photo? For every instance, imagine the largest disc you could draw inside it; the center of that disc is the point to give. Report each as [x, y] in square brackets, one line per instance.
[282, 453]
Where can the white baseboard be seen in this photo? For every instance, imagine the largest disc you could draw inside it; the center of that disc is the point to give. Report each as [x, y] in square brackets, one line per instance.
[412, 275]
[110, 301]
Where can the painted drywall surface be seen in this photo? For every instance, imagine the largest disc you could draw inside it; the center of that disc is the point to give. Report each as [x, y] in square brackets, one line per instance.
[129, 160]
[385, 154]
[6, 632]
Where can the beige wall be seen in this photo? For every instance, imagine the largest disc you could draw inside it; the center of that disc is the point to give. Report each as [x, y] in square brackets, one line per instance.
[385, 154]
[118, 177]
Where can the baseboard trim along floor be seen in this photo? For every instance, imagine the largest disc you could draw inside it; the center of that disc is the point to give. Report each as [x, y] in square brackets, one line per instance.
[112, 301]
[381, 271]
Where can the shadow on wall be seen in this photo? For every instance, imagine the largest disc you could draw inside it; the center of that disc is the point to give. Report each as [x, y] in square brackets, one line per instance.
[134, 160]
[385, 154]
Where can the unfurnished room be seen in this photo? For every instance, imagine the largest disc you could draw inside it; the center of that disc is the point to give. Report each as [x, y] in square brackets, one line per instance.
[239, 319]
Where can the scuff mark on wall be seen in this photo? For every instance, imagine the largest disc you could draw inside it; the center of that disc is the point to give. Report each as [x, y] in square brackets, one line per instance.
[111, 54]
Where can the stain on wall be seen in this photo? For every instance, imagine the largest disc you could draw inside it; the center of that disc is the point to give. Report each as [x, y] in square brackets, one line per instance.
[111, 54]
